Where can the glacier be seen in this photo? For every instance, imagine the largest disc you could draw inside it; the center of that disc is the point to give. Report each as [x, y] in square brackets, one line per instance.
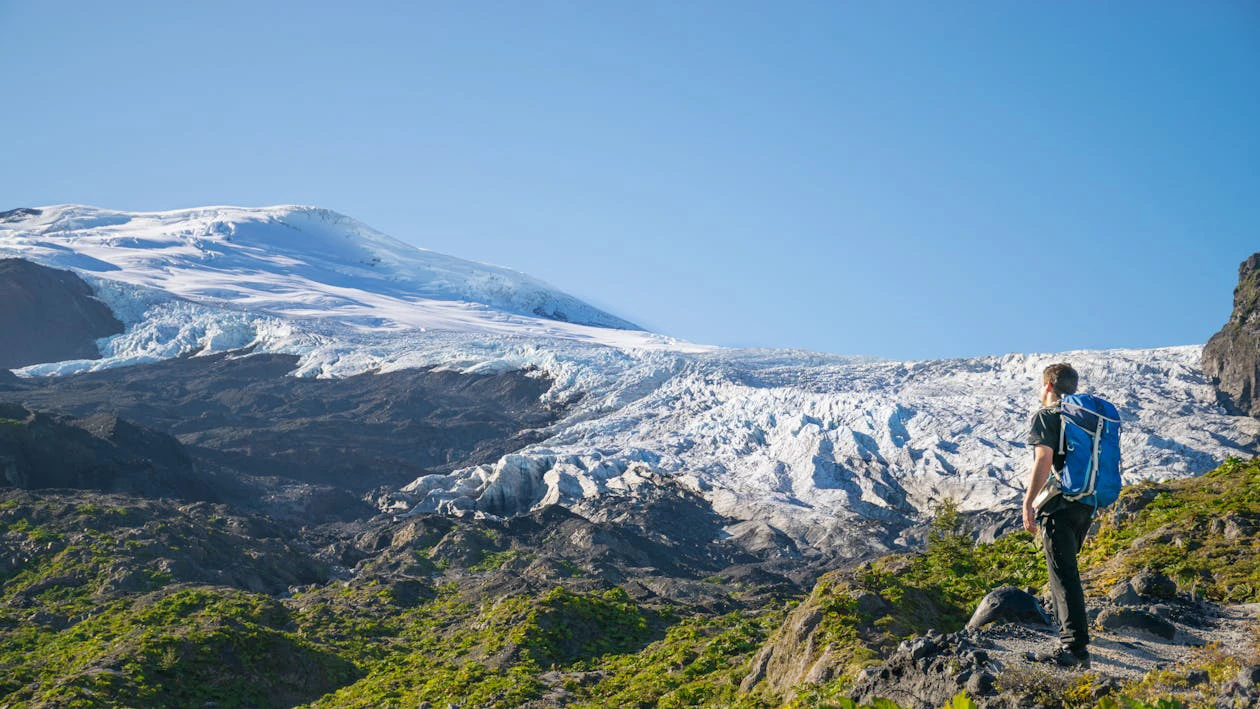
[791, 445]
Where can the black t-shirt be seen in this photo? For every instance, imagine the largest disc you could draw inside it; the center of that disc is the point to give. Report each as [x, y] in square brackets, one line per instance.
[1045, 432]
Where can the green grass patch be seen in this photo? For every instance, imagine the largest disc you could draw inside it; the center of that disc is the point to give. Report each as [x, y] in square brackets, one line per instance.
[1201, 531]
[496, 560]
[182, 648]
[699, 662]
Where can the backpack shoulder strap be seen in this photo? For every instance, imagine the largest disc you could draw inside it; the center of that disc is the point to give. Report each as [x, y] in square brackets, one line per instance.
[1062, 433]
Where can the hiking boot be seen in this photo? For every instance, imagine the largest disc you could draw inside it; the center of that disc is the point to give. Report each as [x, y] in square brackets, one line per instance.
[1062, 657]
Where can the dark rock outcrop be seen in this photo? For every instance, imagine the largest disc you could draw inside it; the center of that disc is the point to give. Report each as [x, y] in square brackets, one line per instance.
[1136, 621]
[13, 215]
[1153, 584]
[1146, 586]
[248, 414]
[1122, 594]
[48, 315]
[1232, 357]
[928, 671]
[104, 453]
[1008, 605]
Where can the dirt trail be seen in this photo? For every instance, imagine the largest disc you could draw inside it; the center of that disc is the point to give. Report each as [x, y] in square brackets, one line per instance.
[1130, 655]
[1178, 634]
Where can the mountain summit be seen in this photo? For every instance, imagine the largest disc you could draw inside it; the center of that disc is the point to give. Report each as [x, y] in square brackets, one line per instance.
[288, 260]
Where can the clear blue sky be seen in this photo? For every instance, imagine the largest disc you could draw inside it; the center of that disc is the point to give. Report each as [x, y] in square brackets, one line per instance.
[908, 180]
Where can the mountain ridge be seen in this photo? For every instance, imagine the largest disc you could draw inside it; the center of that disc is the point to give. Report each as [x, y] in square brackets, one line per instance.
[805, 445]
[331, 252]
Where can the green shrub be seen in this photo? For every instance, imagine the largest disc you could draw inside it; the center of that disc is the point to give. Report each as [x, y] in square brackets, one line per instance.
[1181, 532]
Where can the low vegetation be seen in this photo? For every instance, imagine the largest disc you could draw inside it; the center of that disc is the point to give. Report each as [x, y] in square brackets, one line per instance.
[1204, 532]
[106, 601]
[868, 611]
[1200, 531]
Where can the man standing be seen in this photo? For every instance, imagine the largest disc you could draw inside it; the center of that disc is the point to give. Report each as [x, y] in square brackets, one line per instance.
[1064, 523]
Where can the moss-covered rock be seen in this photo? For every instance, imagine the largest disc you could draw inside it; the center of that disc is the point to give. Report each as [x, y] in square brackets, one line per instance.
[855, 617]
[1202, 532]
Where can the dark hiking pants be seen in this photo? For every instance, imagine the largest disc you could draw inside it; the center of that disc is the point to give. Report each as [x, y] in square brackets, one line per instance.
[1063, 529]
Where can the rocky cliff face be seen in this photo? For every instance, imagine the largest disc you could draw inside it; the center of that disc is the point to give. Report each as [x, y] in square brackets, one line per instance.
[1232, 357]
[247, 414]
[103, 453]
[48, 315]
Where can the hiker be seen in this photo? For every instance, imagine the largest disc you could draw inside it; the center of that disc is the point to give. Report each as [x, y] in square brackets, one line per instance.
[1064, 523]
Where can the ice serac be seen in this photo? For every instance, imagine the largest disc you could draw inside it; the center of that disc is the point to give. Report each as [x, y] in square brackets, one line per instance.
[1232, 357]
[842, 454]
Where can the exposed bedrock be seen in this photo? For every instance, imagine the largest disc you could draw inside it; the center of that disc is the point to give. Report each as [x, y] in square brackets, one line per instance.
[103, 453]
[48, 315]
[243, 412]
[1232, 357]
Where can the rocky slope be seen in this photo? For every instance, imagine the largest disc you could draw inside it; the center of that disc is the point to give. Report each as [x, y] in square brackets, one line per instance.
[49, 315]
[1232, 357]
[836, 456]
[1173, 583]
[113, 599]
[104, 453]
[246, 413]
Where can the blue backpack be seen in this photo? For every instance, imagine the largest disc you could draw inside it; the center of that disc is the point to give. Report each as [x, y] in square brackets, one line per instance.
[1090, 438]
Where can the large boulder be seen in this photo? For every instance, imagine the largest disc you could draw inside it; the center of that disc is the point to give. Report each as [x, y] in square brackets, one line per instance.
[1144, 587]
[1232, 357]
[1122, 594]
[1136, 621]
[1152, 584]
[1008, 605]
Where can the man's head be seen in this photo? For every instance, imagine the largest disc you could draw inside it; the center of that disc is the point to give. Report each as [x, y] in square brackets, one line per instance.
[1056, 381]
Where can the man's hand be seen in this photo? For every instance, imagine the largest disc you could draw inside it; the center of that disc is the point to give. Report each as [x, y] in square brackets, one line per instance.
[1030, 517]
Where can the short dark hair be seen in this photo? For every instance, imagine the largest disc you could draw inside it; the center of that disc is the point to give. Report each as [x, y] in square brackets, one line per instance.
[1062, 377]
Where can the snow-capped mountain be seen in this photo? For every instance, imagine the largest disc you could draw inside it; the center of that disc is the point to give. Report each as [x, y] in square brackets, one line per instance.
[796, 447]
[297, 262]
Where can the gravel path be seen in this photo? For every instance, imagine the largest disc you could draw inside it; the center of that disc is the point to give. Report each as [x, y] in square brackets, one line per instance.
[1130, 655]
